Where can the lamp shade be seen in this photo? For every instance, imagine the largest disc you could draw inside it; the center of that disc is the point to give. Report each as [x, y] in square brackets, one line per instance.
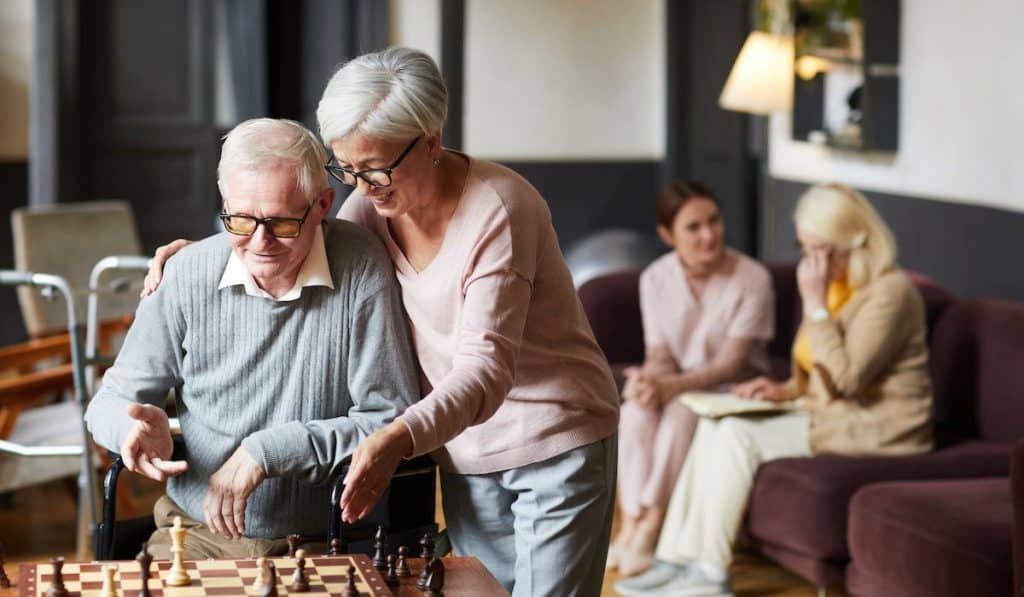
[761, 80]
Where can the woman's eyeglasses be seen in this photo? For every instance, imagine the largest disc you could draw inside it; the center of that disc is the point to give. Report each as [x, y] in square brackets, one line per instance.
[375, 177]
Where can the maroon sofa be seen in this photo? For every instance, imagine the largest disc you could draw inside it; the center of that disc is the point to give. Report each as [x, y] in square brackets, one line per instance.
[798, 508]
[933, 538]
[953, 537]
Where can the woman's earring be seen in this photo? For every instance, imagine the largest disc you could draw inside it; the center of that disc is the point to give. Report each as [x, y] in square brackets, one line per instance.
[437, 161]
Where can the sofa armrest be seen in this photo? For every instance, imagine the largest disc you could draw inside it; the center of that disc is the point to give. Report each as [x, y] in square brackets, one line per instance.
[1017, 482]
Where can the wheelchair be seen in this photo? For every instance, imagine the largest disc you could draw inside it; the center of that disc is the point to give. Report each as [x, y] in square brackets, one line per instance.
[406, 510]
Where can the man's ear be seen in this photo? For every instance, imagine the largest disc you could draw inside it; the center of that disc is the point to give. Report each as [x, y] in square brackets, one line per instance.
[666, 236]
[324, 202]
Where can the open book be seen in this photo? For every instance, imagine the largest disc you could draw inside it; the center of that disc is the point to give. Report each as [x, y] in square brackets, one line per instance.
[716, 405]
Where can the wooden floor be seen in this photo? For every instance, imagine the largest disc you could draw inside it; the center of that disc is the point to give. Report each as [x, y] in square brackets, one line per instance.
[39, 522]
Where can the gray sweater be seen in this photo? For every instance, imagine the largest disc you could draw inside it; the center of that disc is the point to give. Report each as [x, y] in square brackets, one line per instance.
[298, 384]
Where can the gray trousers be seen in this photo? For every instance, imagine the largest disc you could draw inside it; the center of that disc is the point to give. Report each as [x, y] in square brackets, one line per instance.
[541, 529]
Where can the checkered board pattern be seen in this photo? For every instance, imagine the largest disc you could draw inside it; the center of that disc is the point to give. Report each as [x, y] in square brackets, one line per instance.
[327, 575]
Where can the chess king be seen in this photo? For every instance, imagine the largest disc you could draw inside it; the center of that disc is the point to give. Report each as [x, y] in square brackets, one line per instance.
[285, 342]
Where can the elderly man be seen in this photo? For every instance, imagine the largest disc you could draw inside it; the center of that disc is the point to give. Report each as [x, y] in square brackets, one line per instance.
[287, 345]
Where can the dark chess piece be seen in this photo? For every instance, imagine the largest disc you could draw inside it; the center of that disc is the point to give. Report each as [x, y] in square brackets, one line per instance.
[350, 583]
[402, 566]
[435, 579]
[5, 583]
[145, 560]
[427, 553]
[57, 588]
[335, 549]
[391, 578]
[269, 588]
[293, 544]
[380, 560]
[300, 584]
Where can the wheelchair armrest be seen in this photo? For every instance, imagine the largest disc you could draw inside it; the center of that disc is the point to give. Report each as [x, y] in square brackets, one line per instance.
[105, 531]
[421, 465]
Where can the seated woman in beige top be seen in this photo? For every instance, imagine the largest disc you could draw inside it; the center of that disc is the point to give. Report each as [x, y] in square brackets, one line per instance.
[861, 364]
[707, 315]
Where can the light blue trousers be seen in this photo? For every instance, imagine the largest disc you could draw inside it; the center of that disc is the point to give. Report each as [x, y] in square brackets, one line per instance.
[541, 529]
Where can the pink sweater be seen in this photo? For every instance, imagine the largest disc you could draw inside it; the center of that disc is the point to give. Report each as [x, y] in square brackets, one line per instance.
[512, 374]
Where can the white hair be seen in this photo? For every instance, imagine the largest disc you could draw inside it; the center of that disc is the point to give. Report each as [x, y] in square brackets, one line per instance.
[393, 95]
[268, 142]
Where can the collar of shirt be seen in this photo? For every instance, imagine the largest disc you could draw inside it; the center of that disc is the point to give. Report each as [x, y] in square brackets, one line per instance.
[314, 272]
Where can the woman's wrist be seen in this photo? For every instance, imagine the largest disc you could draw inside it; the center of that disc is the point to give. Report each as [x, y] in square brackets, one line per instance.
[400, 437]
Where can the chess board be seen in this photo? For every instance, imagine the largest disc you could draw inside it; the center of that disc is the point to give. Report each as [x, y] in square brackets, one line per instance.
[327, 575]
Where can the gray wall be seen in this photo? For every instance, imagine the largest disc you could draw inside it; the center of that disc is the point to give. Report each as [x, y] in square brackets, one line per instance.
[973, 251]
[585, 197]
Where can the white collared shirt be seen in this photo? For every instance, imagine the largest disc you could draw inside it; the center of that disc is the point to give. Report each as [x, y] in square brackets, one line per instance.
[314, 272]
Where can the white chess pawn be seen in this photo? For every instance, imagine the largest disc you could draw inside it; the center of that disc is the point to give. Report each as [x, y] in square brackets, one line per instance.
[108, 589]
[261, 572]
[177, 576]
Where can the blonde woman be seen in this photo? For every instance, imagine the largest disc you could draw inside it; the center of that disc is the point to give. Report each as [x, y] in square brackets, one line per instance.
[860, 361]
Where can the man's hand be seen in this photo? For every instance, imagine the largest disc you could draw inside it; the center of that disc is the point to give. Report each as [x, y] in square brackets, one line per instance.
[156, 267]
[229, 491]
[373, 464]
[763, 388]
[148, 447]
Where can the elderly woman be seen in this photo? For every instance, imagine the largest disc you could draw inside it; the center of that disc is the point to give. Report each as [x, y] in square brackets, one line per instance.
[519, 407]
[859, 360]
[707, 315]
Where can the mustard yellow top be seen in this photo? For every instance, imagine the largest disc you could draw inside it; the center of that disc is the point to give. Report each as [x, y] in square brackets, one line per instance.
[839, 293]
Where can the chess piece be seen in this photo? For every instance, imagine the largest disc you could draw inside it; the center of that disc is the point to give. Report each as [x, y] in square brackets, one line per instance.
[380, 561]
[177, 576]
[293, 544]
[261, 575]
[145, 560]
[269, 588]
[350, 583]
[300, 584]
[335, 547]
[108, 590]
[435, 579]
[391, 578]
[427, 553]
[57, 588]
[402, 567]
[5, 583]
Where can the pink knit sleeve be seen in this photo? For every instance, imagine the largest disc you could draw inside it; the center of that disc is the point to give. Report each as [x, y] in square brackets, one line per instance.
[497, 288]
[484, 365]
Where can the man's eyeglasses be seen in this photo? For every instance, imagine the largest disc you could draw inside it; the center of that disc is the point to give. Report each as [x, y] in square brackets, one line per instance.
[276, 227]
[375, 177]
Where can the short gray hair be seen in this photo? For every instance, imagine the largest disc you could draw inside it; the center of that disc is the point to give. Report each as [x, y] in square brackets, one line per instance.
[393, 95]
[261, 142]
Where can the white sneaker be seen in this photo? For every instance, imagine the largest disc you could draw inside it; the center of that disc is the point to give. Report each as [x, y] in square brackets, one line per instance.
[695, 584]
[650, 582]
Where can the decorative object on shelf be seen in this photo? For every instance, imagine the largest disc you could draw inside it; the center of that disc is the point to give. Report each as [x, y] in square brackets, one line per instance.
[846, 88]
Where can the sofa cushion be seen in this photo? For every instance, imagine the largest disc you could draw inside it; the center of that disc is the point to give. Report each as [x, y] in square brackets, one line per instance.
[800, 504]
[931, 538]
[612, 304]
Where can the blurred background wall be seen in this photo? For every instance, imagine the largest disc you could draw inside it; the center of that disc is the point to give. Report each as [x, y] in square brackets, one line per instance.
[597, 102]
